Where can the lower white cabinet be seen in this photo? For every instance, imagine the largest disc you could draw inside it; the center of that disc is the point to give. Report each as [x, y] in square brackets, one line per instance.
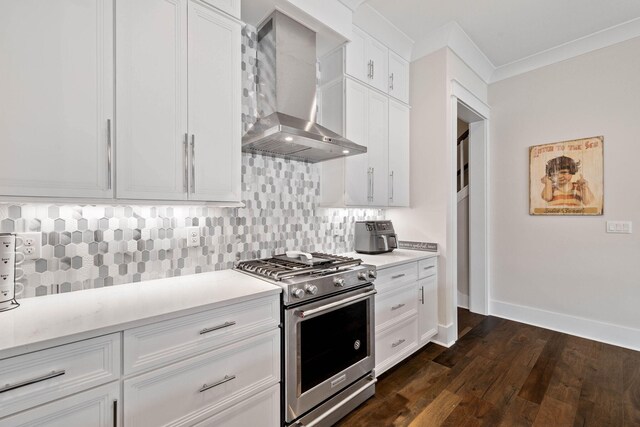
[406, 310]
[96, 408]
[263, 409]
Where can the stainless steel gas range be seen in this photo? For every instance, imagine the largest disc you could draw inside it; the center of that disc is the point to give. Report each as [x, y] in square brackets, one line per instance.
[328, 333]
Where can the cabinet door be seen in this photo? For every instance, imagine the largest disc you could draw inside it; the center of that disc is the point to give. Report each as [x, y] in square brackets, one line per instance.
[96, 408]
[357, 176]
[214, 104]
[399, 186]
[357, 64]
[378, 147]
[57, 97]
[152, 99]
[379, 56]
[427, 308]
[398, 78]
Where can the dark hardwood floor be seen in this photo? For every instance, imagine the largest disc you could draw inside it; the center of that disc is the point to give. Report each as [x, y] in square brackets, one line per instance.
[504, 373]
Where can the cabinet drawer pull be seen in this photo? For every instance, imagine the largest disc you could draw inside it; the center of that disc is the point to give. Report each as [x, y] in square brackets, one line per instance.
[109, 154]
[226, 379]
[397, 343]
[422, 294]
[186, 162]
[193, 163]
[215, 328]
[397, 276]
[395, 307]
[428, 268]
[53, 374]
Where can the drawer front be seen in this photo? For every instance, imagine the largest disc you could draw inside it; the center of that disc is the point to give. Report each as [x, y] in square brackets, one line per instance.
[396, 343]
[232, 7]
[390, 278]
[263, 410]
[427, 267]
[393, 306]
[161, 343]
[193, 390]
[95, 408]
[35, 378]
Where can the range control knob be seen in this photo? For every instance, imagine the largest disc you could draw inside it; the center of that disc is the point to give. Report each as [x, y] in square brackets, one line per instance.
[339, 283]
[362, 275]
[298, 293]
[372, 274]
[311, 289]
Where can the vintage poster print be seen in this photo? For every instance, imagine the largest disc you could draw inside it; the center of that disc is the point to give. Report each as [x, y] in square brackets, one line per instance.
[566, 178]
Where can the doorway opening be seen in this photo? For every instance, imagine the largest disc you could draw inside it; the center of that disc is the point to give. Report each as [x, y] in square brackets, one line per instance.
[462, 179]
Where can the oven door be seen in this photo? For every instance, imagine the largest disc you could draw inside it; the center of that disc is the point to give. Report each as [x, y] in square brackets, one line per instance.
[328, 346]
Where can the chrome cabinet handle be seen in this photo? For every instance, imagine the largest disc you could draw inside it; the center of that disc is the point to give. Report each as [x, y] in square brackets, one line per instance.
[397, 276]
[370, 69]
[226, 379]
[395, 307]
[373, 183]
[109, 154]
[391, 185]
[186, 162]
[215, 328]
[48, 376]
[307, 313]
[391, 86]
[193, 163]
[397, 343]
[373, 68]
[430, 267]
[422, 294]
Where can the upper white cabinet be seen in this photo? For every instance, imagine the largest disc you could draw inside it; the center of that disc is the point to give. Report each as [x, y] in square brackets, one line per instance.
[56, 87]
[399, 184]
[398, 77]
[178, 105]
[367, 60]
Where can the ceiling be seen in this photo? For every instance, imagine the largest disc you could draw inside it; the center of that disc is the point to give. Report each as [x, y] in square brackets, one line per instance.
[507, 31]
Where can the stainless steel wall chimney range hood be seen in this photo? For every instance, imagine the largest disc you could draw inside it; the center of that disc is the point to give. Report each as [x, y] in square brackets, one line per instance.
[287, 107]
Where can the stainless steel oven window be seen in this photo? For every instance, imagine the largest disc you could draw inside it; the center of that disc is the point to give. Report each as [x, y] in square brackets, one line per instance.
[328, 346]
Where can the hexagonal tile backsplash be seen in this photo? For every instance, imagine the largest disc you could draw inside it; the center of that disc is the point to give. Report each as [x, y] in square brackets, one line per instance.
[92, 246]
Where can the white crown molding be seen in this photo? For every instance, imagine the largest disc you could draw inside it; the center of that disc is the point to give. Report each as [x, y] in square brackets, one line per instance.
[592, 329]
[451, 35]
[352, 4]
[598, 40]
[375, 24]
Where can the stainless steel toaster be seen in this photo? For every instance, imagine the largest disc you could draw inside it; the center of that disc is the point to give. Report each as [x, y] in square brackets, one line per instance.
[375, 237]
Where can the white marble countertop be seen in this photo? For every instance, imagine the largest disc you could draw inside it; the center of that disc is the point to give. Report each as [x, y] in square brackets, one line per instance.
[51, 320]
[391, 259]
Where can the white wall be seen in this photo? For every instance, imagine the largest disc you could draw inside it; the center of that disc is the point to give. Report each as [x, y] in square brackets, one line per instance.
[431, 216]
[566, 272]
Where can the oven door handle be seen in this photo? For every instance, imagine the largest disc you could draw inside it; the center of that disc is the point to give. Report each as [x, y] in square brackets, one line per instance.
[304, 314]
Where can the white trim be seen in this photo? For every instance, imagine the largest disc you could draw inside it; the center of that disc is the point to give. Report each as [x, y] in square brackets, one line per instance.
[463, 300]
[597, 40]
[447, 335]
[469, 99]
[451, 35]
[463, 194]
[592, 329]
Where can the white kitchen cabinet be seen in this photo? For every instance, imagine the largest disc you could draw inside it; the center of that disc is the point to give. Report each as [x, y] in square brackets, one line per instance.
[57, 91]
[215, 91]
[263, 409]
[179, 90]
[399, 179]
[378, 147]
[427, 299]
[367, 60]
[96, 408]
[398, 77]
[151, 99]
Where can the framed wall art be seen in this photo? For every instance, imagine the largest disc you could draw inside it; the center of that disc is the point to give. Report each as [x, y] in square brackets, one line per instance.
[567, 178]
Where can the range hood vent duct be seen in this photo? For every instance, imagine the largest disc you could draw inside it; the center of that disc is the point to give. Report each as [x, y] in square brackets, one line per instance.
[287, 106]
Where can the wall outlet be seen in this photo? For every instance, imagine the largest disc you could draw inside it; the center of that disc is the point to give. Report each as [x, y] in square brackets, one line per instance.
[193, 236]
[620, 227]
[30, 244]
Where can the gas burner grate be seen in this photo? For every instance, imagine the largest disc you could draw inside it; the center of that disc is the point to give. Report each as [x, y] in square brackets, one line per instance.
[279, 269]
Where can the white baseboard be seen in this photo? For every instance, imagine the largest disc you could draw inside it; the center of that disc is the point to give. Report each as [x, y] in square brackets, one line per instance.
[446, 336]
[463, 300]
[599, 331]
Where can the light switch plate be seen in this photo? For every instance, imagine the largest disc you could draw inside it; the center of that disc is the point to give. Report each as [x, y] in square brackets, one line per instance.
[619, 227]
[193, 236]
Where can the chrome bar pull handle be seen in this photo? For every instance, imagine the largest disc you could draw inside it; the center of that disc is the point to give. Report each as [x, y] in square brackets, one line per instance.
[373, 183]
[397, 343]
[193, 163]
[391, 186]
[215, 328]
[391, 81]
[186, 163]
[226, 379]
[397, 276]
[422, 294]
[396, 307]
[109, 154]
[373, 68]
[52, 374]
